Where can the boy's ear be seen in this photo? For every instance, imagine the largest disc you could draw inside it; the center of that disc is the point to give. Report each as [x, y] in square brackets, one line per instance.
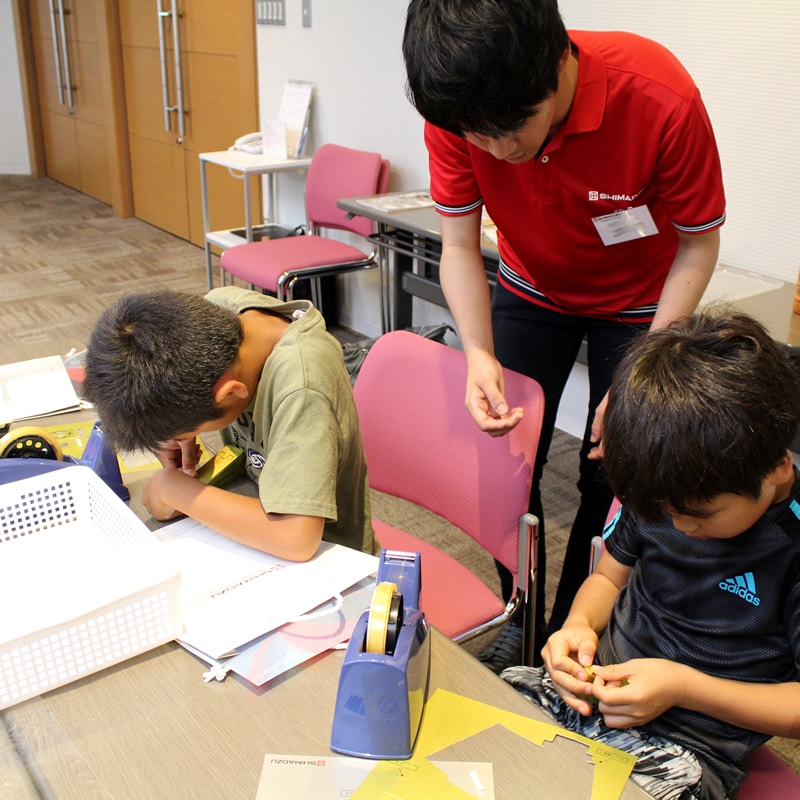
[784, 470]
[227, 388]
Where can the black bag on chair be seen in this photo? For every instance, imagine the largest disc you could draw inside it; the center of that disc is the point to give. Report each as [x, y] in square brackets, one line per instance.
[355, 352]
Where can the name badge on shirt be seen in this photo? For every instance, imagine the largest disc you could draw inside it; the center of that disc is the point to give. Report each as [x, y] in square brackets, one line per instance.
[625, 225]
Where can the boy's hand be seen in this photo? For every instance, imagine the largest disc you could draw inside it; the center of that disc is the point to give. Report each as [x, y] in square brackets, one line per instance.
[182, 454]
[654, 685]
[157, 491]
[565, 655]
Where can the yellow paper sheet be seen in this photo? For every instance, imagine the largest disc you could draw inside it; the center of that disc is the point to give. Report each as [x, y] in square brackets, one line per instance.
[414, 779]
[72, 438]
[450, 718]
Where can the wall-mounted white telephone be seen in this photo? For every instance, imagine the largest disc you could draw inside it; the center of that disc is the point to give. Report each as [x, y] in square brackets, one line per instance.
[250, 143]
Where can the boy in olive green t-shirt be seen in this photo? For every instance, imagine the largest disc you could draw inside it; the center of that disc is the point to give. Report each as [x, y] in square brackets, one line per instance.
[164, 367]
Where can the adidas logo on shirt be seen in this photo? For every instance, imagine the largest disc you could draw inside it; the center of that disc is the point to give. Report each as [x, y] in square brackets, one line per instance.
[743, 586]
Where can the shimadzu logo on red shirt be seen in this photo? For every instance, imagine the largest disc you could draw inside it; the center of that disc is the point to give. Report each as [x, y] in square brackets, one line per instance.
[743, 586]
[628, 198]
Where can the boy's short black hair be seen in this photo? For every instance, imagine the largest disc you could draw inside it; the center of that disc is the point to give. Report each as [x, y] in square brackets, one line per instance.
[152, 363]
[708, 406]
[480, 66]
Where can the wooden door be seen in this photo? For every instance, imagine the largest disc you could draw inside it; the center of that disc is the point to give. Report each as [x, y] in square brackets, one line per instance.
[215, 70]
[75, 82]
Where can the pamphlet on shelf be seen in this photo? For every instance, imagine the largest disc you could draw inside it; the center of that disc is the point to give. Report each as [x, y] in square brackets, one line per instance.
[286, 136]
[274, 138]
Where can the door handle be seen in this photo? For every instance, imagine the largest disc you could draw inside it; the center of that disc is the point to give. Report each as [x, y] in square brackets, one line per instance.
[57, 52]
[162, 48]
[65, 54]
[163, 53]
[176, 43]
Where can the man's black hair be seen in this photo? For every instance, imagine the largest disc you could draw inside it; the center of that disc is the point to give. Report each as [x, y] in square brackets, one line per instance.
[481, 66]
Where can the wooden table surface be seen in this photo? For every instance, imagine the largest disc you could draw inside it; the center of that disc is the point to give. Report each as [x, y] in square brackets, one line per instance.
[152, 728]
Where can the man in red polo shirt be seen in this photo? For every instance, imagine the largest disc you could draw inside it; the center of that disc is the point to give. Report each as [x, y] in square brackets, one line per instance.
[594, 156]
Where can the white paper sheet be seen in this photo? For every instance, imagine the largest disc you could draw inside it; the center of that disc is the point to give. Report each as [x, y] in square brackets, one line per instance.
[35, 388]
[334, 777]
[232, 594]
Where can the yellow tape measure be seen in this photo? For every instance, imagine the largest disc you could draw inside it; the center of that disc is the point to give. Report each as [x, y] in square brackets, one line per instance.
[384, 620]
[30, 442]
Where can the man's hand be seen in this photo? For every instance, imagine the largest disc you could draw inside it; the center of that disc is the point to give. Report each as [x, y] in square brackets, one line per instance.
[182, 454]
[596, 453]
[485, 400]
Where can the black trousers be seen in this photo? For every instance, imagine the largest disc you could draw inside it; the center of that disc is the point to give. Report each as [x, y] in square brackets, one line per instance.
[544, 345]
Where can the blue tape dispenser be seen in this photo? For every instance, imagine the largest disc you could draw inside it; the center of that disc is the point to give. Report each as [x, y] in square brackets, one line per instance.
[383, 684]
[29, 451]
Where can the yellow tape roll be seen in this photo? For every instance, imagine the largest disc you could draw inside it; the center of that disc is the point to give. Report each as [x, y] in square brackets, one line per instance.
[30, 442]
[379, 613]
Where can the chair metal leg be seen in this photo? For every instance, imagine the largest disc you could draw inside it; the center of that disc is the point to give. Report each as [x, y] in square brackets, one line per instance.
[529, 606]
[316, 293]
[382, 281]
[286, 289]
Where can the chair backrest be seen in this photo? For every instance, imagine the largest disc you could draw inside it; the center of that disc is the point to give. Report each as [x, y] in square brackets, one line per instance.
[423, 446]
[336, 172]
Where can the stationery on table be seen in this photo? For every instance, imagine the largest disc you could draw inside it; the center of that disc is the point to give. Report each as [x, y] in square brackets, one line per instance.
[36, 388]
[232, 595]
[322, 777]
[398, 201]
[72, 438]
[441, 767]
[294, 643]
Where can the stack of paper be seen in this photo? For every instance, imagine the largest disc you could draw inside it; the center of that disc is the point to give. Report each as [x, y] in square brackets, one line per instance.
[233, 597]
[35, 388]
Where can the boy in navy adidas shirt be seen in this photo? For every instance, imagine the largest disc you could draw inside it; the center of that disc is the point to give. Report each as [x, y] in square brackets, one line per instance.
[691, 621]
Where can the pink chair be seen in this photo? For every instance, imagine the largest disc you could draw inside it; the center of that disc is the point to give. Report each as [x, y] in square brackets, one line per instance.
[770, 777]
[277, 264]
[423, 446]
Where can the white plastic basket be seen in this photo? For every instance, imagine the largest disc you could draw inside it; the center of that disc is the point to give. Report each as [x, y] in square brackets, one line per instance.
[83, 583]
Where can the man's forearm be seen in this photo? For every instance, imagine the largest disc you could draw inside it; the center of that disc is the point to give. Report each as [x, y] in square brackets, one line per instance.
[688, 277]
[466, 290]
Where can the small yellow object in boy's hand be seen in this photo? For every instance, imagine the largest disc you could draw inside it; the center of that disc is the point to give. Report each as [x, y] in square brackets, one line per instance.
[590, 698]
[590, 672]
